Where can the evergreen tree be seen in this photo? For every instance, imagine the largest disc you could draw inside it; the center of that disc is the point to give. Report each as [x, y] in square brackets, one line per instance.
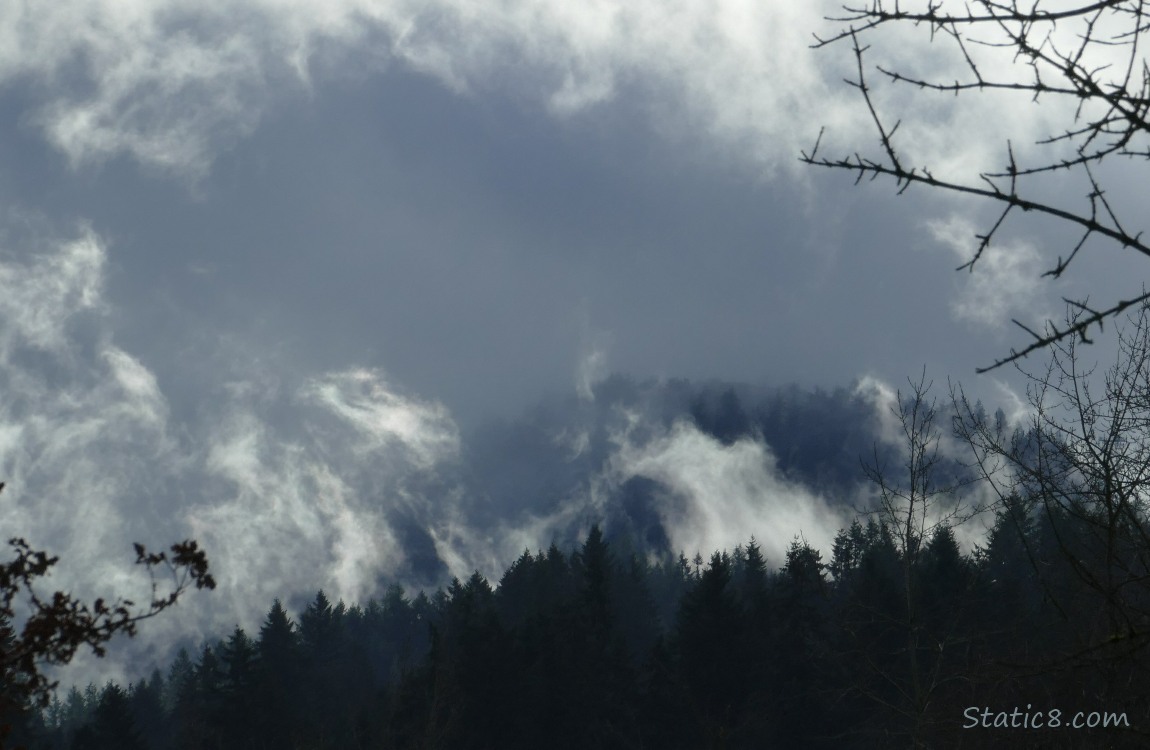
[708, 639]
[146, 699]
[278, 674]
[200, 705]
[599, 651]
[181, 676]
[471, 682]
[238, 662]
[754, 586]
[332, 676]
[849, 546]
[800, 644]
[112, 726]
[76, 714]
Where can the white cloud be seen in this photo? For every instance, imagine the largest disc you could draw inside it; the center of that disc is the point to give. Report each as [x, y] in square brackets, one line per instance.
[592, 367]
[1016, 409]
[716, 498]
[727, 494]
[170, 82]
[1005, 283]
[967, 498]
[884, 400]
[48, 291]
[288, 489]
[288, 522]
[310, 507]
[83, 423]
[363, 400]
[466, 547]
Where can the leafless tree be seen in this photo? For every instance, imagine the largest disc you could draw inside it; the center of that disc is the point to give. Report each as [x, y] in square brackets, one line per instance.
[1090, 54]
[912, 502]
[916, 502]
[1080, 465]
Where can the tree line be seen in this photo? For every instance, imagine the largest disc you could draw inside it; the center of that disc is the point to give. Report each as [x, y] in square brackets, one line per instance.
[894, 637]
[597, 647]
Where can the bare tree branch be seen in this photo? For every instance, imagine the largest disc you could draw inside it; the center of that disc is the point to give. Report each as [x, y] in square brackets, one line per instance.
[1111, 118]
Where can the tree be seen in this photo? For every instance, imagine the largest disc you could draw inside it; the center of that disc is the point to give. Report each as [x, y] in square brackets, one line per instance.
[333, 672]
[1074, 482]
[709, 638]
[238, 657]
[912, 502]
[471, 678]
[1086, 54]
[112, 726]
[797, 665]
[147, 701]
[279, 706]
[918, 510]
[55, 627]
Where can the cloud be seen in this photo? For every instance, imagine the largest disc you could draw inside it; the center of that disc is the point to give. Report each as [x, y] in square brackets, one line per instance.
[1017, 410]
[363, 400]
[1005, 283]
[468, 543]
[172, 82]
[47, 292]
[289, 488]
[884, 400]
[83, 425]
[592, 365]
[724, 494]
[310, 498]
[955, 457]
[888, 403]
[701, 494]
[284, 521]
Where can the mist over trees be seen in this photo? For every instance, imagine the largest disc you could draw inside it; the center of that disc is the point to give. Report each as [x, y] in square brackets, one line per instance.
[985, 581]
[38, 631]
[552, 452]
[593, 647]
[893, 635]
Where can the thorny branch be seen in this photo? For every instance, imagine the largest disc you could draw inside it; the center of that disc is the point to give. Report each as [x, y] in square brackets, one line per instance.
[1082, 465]
[1111, 118]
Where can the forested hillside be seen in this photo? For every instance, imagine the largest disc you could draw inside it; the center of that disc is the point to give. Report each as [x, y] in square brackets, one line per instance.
[594, 647]
[893, 634]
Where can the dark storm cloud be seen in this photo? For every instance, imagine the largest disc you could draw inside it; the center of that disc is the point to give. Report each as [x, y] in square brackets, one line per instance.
[532, 210]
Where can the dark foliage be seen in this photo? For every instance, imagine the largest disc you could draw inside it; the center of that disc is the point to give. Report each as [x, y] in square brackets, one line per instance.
[38, 631]
[570, 651]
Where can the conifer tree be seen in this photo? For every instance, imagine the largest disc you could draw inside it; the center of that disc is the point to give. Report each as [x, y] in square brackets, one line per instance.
[708, 636]
[112, 726]
[278, 674]
[147, 703]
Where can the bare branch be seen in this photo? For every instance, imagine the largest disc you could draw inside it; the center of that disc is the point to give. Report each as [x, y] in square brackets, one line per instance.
[1111, 117]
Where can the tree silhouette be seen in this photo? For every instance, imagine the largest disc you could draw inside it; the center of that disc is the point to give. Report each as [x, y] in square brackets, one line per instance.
[278, 673]
[709, 638]
[147, 701]
[54, 627]
[791, 657]
[112, 726]
[915, 514]
[1073, 488]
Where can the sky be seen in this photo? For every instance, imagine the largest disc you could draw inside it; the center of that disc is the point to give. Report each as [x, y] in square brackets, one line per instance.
[268, 267]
